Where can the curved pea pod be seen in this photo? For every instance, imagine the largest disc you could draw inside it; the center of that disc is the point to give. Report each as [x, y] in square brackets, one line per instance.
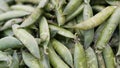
[113, 2]
[75, 13]
[91, 58]
[62, 31]
[63, 51]
[27, 39]
[101, 62]
[30, 60]
[80, 60]
[27, 8]
[15, 61]
[9, 23]
[108, 31]
[109, 57]
[44, 59]
[4, 6]
[55, 60]
[44, 32]
[9, 42]
[72, 6]
[96, 20]
[98, 7]
[13, 14]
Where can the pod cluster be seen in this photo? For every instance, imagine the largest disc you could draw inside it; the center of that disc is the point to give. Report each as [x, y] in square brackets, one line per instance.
[59, 34]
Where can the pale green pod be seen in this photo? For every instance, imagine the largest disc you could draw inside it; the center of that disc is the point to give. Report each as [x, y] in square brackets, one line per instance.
[13, 14]
[27, 8]
[9, 42]
[72, 6]
[91, 58]
[109, 57]
[44, 32]
[62, 31]
[9, 23]
[27, 39]
[63, 51]
[79, 56]
[4, 6]
[30, 60]
[55, 60]
[98, 7]
[28, 1]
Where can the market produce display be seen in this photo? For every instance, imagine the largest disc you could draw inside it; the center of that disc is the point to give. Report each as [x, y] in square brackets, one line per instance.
[59, 33]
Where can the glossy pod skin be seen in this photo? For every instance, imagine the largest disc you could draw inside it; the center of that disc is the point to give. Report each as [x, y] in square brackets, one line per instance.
[95, 20]
[108, 31]
[55, 59]
[62, 31]
[27, 39]
[91, 58]
[79, 56]
[109, 57]
[13, 43]
[63, 51]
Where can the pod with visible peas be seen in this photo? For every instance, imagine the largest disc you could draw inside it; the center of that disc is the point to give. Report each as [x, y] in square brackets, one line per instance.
[109, 57]
[9, 42]
[62, 31]
[27, 39]
[55, 60]
[30, 60]
[63, 51]
[79, 56]
[96, 20]
[44, 32]
[13, 14]
[91, 58]
[71, 6]
[108, 31]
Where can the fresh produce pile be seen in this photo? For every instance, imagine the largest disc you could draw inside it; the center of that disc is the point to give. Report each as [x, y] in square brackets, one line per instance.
[59, 34]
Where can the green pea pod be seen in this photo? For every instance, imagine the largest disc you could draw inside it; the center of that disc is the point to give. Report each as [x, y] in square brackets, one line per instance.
[55, 60]
[108, 31]
[44, 32]
[72, 6]
[32, 18]
[13, 14]
[44, 59]
[9, 23]
[98, 7]
[91, 58]
[28, 1]
[15, 61]
[96, 20]
[75, 13]
[113, 2]
[80, 60]
[30, 60]
[49, 7]
[27, 39]
[9, 42]
[88, 34]
[27, 8]
[62, 31]
[109, 57]
[4, 6]
[63, 51]
[101, 62]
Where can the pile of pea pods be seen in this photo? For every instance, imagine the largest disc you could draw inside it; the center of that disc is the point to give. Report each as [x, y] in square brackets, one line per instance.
[59, 33]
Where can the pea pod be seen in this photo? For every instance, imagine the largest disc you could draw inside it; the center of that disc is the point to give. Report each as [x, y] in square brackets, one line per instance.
[29, 1]
[44, 32]
[30, 60]
[72, 6]
[63, 52]
[79, 56]
[108, 31]
[9, 42]
[9, 23]
[109, 57]
[27, 39]
[88, 34]
[95, 20]
[62, 31]
[91, 58]
[4, 6]
[98, 7]
[13, 14]
[55, 59]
